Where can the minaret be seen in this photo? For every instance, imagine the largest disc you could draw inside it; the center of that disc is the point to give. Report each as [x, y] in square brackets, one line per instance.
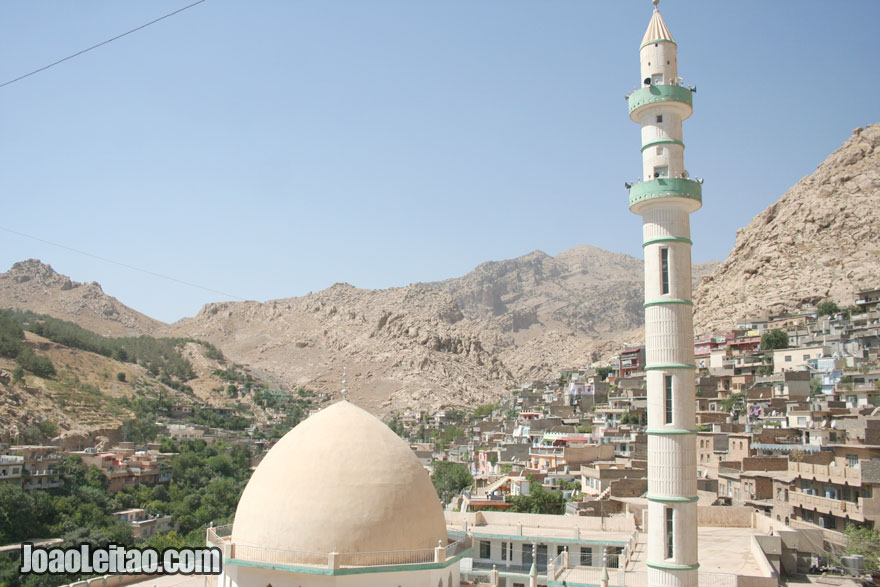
[665, 200]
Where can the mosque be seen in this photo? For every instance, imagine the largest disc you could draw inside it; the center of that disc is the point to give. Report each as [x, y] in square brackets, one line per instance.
[342, 500]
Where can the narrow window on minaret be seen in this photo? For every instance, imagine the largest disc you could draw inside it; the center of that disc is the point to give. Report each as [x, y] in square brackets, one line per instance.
[670, 525]
[667, 389]
[664, 270]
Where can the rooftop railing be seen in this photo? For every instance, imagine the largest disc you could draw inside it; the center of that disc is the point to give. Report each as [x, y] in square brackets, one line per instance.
[221, 537]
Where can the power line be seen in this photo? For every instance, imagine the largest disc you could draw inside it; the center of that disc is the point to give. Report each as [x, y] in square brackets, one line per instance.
[126, 265]
[143, 26]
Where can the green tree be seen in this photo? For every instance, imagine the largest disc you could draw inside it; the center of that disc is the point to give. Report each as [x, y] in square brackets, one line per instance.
[449, 479]
[863, 541]
[39, 366]
[775, 339]
[827, 308]
[484, 410]
[538, 501]
[120, 377]
[397, 426]
[603, 372]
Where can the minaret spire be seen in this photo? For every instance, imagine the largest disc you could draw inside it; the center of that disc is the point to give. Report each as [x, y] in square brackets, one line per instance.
[665, 201]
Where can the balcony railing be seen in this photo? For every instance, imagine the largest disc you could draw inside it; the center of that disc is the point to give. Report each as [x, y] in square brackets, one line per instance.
[221, 537]
[826, 505]
[839, 473]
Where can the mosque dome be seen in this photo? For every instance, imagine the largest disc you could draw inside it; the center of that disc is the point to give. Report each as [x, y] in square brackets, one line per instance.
[340, 481]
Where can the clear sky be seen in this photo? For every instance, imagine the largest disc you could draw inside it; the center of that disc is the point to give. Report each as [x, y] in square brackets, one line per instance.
[271, 148]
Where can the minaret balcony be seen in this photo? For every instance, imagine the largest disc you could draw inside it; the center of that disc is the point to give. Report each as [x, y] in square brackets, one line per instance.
[656, 94]
[666, 187]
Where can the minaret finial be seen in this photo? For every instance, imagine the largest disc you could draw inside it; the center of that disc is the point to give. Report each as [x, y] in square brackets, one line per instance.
[655, 3]
[344, 383]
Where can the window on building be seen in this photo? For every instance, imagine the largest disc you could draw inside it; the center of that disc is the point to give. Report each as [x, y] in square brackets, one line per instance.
[667, 386]
[586, 557]
[659, 150]
[670, 531]
[504, 551]
[527, 554]
[559, 549]
[788, 358]
[806, 357]
[659, 118]
[852, 461]
[613, 556]
[657, 78]
[485, 549]
[664, 270]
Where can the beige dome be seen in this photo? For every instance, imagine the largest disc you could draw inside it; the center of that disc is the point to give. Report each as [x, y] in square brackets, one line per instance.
[340, 481]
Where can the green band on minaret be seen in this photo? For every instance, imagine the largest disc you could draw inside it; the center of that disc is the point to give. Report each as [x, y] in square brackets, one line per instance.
[672, 499]
[665, 187]
[659, 93]
[669, 301]
[672, 432]
[665, 366]
[671, 567]
[667, 239]
[662, 142]
[658, 41]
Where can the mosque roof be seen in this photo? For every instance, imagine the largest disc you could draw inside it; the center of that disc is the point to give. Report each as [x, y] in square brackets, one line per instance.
[340, 481]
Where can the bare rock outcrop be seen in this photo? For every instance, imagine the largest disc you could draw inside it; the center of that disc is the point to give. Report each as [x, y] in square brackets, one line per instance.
[821, 240]
[35, 286]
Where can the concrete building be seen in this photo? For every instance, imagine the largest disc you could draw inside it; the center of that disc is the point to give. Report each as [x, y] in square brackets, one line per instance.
[40, 465]
[142, 524]
[664, 200]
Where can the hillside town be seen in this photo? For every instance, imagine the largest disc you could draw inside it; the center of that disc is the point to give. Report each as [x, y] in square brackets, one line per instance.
[787, 442]
[587, 419]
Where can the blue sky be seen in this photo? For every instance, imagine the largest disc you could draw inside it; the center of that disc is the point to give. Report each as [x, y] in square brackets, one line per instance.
[268, 149]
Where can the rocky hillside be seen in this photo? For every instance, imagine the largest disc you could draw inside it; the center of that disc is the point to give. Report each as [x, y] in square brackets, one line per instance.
[821, 240]
[35, 286]
[584, 290]
[457, 342]
[404, 347]
[87, 396]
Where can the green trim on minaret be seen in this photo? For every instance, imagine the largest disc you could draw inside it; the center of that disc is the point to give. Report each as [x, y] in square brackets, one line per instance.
[658, 41]
[666, 187]
[672, 499]
[669, 301]
[671, 432]
[665, 366]
[662, 142]
[659, 93]
[667, 239]
[671, 567]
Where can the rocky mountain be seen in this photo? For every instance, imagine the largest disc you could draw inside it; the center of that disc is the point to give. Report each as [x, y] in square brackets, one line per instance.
[584, 290]
[403, 347]
[457, 342]
[35, 286]
[821, 240]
